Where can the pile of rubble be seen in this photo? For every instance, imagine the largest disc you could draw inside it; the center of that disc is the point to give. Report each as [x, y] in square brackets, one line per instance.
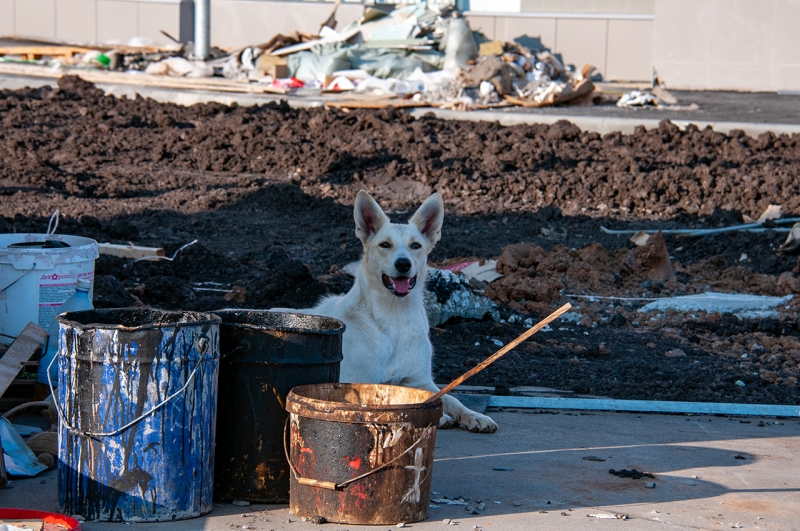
[423, 54]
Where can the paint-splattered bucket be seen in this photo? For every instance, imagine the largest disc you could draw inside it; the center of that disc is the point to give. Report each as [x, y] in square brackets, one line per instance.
[361, 453]
[137, 395]
[263, 356]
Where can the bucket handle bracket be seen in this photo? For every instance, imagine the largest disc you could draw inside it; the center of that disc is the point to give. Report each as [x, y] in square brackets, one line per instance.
[141, 417]
[330, 485]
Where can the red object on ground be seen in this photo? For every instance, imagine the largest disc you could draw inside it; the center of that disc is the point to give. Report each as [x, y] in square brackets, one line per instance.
[49, 518]
[458, 267]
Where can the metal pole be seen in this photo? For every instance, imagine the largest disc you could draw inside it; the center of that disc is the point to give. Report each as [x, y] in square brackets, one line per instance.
[202, 29]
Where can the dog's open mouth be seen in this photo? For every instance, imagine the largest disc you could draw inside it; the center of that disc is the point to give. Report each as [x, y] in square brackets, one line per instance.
[400, 286]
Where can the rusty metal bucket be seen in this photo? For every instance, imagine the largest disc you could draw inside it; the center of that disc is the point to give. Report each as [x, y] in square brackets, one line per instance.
[361, 453]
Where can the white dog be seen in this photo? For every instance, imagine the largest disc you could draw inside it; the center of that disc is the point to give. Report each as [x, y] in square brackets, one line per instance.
[386, 340]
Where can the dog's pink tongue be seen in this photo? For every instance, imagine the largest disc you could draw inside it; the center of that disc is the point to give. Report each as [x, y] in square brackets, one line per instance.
[401, 284]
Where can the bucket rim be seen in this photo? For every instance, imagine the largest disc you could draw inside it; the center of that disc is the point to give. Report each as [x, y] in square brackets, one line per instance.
[68, 319]
[338, 330]
[79, 243]
[309, 407]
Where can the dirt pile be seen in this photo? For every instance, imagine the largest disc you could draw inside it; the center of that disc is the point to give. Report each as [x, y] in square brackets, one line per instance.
[77, 141]
[267, 193]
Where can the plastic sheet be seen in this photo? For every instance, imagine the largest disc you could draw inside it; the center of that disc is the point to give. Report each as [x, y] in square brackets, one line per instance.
[19, 459]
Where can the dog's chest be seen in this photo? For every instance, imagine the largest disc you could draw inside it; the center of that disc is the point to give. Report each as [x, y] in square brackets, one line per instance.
[385, 350]
[407, 349]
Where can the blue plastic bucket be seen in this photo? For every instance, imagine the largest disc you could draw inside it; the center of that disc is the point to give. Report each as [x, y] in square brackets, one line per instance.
[137, 400]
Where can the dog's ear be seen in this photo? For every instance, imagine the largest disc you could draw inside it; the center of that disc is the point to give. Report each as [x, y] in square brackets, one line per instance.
[369, 216]
[428, 218]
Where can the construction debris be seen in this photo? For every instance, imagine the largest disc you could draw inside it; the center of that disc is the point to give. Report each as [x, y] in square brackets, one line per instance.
[736, 303]
[421, 54]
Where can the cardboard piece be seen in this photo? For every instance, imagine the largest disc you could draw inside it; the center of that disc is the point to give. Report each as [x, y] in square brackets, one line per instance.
[270, 65]
[640, 238]
[491, 48]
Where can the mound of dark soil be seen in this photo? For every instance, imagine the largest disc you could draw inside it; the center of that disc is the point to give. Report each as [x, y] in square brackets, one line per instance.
[267, 193]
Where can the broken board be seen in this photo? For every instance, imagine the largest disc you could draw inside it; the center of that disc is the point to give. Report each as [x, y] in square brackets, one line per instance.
[19, 353]
[31, 53]
[129, 251]
[375, 104]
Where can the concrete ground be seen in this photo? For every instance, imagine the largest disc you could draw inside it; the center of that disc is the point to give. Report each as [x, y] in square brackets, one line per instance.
[546, 482]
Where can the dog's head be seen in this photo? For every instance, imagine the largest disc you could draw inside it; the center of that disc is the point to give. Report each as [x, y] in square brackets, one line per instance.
[395, 254]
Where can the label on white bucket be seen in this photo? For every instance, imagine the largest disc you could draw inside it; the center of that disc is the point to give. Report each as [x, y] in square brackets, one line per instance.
[54, 289]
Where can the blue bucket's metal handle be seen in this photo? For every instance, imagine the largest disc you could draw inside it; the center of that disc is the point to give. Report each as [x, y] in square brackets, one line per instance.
[131, 423]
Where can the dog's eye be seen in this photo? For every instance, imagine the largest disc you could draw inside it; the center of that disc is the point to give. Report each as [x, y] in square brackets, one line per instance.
[385, 245]
[415, 245]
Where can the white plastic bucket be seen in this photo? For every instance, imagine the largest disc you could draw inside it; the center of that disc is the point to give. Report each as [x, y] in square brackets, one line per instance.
[35, 282]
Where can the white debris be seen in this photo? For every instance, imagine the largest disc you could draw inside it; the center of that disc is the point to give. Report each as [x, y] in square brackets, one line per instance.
[740, 383]
[614, 516]
[637, 98]
[737, 303]
[240, 503]
[445, 501]
[571, 317]
[179, 67]
[449, 295]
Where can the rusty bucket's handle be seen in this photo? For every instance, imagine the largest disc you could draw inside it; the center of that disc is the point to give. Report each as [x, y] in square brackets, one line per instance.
[330, 485]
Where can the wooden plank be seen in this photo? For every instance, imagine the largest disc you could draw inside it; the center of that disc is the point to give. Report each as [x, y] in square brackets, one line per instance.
[119, 78]
[43, 50]
[129, 251]
[19, 353]
[376, 104]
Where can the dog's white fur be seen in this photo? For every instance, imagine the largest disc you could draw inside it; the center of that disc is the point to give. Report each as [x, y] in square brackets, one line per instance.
[386, 337]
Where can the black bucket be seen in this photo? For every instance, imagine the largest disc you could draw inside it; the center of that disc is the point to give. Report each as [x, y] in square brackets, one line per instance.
[264, 355]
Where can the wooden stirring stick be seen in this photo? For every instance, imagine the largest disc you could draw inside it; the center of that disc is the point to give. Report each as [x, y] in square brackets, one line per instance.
[494, 357]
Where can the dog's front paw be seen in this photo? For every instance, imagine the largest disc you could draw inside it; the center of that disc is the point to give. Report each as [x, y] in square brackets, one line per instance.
[477, 422]
[447, 422]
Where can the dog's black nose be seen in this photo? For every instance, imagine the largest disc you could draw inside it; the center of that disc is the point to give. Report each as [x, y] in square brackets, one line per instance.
[403, 265]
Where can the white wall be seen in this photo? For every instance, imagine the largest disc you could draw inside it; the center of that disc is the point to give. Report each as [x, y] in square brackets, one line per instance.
[751, 45]
[91, 21]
